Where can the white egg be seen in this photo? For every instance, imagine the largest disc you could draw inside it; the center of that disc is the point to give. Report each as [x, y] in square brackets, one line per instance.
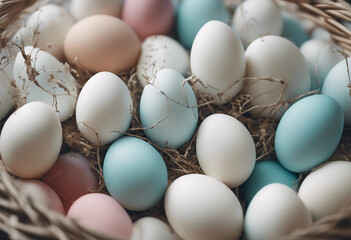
[104, 108]
[6, 75]
[149, 228]
[320, 33]
[225, 149]
[199, 207]
[278, 58]
[321, 55]
[84, 8]
[336, 85]
[46, 29]
[217, 59]
[326, 189]
[256, 18]
[31, 140]
[159, 52]
[49, 82]
[274, 212]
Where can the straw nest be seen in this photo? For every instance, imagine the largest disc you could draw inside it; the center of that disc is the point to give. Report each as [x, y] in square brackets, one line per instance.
[23, 217]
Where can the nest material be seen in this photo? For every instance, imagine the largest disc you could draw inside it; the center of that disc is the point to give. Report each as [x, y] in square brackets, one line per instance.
[22, 218]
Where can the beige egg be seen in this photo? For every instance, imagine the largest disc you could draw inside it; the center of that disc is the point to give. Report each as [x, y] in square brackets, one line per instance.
[102, 43]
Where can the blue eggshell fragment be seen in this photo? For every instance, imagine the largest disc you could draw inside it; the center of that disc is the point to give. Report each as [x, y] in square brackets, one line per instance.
[193, 14]
[135, 173]
[309, 133]
[267, 172]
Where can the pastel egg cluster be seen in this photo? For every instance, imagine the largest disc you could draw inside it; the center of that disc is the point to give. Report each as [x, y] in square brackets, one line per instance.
[184, 55]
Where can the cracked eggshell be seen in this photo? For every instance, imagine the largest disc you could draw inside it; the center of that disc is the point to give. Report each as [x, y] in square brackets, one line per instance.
[159, 52]
[54, 84]
[84, 8]
[31, 140]
[217, 59]
[104, 108]
[46, 29]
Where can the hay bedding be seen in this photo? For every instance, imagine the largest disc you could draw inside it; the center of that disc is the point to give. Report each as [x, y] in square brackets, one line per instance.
[21, 217]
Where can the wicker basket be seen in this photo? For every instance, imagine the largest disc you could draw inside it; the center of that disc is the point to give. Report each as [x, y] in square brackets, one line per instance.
[23, 217]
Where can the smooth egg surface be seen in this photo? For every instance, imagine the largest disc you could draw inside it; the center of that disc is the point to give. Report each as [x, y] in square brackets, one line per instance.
[102, 43]
[31, 140]
[309, 133]
[199, 207]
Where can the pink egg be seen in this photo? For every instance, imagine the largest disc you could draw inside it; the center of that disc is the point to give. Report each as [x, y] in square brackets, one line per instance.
[148, 17]
[102, 213]
[71, 177]
[52, 197]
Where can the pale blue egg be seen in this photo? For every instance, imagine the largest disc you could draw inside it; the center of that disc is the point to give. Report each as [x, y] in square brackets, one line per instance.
[168, 112]
[135, 173]
[336, 86]
[267, 172]
[309, 133]
[193, 14]
[294, 31]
